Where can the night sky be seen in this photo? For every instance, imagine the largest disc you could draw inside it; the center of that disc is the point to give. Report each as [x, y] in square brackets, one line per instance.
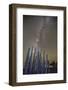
[40, 31]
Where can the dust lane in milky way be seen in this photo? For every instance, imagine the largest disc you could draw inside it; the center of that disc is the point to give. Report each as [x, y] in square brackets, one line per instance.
[40, 31]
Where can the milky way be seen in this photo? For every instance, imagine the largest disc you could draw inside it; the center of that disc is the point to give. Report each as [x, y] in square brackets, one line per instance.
[40, 31]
